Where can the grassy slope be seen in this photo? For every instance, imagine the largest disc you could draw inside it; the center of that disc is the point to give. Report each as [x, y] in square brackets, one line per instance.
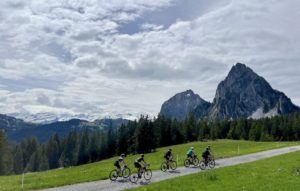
[275, 174]
[100, 170]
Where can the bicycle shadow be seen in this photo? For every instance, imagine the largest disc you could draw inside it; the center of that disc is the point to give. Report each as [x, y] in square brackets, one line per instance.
[174, 172]
[143, 182]
[193, 167]
[122, 180]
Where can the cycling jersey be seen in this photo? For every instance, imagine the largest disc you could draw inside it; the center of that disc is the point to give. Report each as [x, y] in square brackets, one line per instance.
[138, 160]
[168, 155]
[190, 152]
[206, 153]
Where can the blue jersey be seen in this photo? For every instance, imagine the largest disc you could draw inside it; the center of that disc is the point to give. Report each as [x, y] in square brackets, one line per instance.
[190, 152]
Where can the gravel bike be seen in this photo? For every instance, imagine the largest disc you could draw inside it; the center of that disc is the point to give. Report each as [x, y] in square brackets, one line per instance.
[211, 163]
[123, 172]
[168, 165]
[145, 172]
[191, 161]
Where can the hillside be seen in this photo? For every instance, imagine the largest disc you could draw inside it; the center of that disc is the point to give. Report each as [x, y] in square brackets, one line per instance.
[100, 170]
[278, 173]
[16, 129]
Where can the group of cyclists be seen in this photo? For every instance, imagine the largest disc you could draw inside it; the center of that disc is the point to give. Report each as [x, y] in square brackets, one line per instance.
[205, 155]
[140, 162]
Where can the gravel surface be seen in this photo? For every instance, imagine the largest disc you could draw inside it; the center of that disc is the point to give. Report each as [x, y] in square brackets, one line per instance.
[121, 184]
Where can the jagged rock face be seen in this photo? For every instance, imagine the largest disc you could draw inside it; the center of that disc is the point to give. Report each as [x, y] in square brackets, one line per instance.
[245, 94]
[201, 111]
[179, 106]
[242, 94]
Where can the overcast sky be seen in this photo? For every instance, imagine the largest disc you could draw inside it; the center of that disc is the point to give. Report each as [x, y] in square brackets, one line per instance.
[109, 57]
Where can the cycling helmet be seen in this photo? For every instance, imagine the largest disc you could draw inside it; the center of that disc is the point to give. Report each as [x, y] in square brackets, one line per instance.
[192, 148]
[122, 155]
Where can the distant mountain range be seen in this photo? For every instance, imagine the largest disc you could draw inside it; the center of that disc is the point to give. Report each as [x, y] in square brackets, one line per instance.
[16, 129]
[243, 93]
[50, 117]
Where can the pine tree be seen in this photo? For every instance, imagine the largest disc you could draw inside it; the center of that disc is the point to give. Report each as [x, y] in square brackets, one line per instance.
[254, 133]
[6, 166]
[111, 141]
[145, 136]
[69, 156]
[29, 147]
[53, 151]
[83, 155]
[2, 150]
[122, 140]
[177, 136]
[43, 159]
[190, 128]
[18, 164]
[94, 146]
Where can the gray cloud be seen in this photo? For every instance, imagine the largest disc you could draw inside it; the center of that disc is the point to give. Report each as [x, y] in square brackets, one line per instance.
[108, 58]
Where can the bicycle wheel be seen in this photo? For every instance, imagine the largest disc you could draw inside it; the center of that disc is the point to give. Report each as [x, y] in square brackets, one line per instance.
[126, 172]
[133, 177]
[164, 167]
[212, 163]
[196, 161]
[202, 165]
[187, 163]
[113, 175]
[173, 165]
[148, 174]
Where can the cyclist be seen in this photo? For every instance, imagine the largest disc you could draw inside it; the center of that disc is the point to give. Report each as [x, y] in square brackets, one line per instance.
[119, 161]
[206, 154]
[138, 163]
[190, 153]
[168, 156]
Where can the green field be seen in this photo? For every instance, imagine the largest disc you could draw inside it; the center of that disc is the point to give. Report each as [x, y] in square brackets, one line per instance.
[100, 170]
[275, 174]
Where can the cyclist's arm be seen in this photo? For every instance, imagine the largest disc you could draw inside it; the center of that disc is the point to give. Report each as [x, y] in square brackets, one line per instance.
[144, 163]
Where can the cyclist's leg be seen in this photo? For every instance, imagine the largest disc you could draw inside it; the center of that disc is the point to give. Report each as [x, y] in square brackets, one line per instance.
[189, 157]
[206, 160]
[168, 162]
[118, 168]
[139, 170]
[137, 166]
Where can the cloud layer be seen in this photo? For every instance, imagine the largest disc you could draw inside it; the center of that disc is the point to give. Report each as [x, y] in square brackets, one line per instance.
[105, 58]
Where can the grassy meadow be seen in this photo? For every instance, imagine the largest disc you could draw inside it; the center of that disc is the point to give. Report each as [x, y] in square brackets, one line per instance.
[280, 173]
[100, 170]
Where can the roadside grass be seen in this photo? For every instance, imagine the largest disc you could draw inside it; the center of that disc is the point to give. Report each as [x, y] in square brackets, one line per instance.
[100, 170]
[280, 173]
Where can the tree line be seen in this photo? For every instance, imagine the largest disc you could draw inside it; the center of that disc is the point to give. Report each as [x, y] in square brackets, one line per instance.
[141, 136]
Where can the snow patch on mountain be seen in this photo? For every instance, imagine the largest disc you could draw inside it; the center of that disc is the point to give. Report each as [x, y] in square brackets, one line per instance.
[49, 117]
[259, 113]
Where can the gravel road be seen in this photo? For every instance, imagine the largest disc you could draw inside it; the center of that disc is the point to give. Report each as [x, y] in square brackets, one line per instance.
[107, 185]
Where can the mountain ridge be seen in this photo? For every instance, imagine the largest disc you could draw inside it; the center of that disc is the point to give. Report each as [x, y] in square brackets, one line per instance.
[243, 93]
[181, 104]
[17, 129]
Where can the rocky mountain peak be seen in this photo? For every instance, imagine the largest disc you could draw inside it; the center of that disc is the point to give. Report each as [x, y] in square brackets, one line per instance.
[244, 93]
[181, 104]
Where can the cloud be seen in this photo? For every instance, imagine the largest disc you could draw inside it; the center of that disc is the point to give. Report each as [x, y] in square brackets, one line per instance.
[108, 58]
